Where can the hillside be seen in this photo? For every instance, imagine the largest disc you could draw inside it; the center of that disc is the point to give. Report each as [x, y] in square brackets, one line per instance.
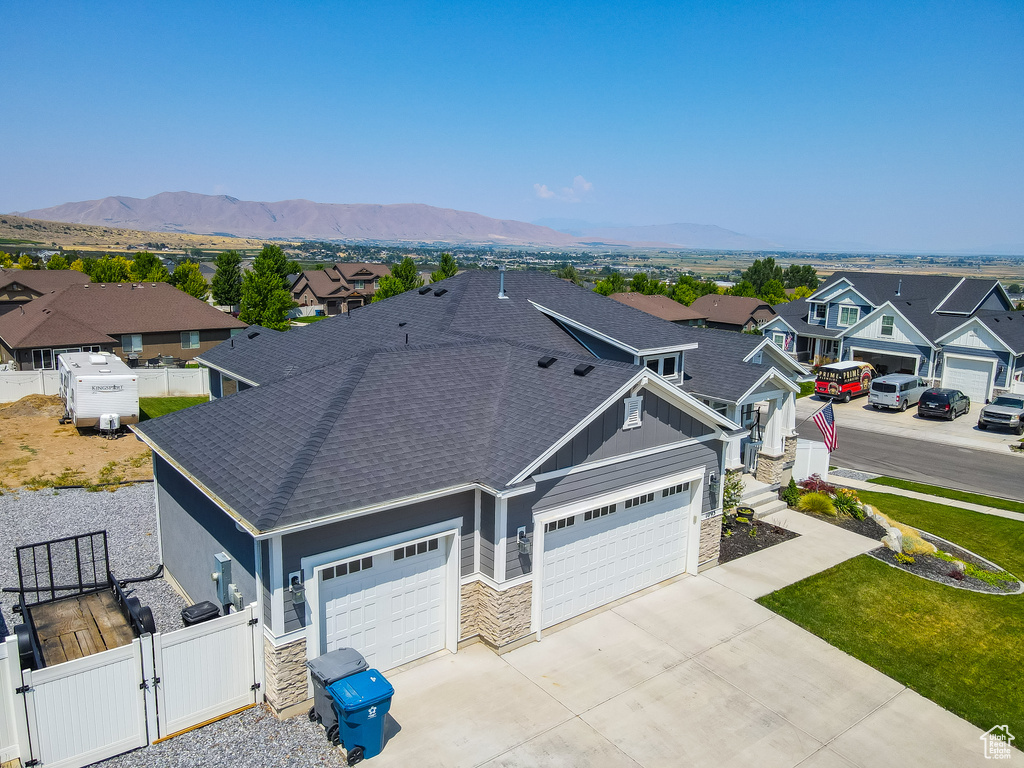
[679, 235]
[187, 212]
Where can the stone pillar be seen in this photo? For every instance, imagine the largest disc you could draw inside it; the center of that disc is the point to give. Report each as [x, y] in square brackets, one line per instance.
[710, 542]
[498, 617]
[789, 455]
[285, 674]
[769, 468]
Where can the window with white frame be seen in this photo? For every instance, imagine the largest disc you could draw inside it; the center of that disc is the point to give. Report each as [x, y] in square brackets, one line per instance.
[415, 549]
[717, 407]
[360, 284]
[672, 491]
[556, 525]
[887, 324]
[344, 569]
[747, 414]
[778, 339]
[820, 311]
[131, 342]
[666, 365]
[634, 412]
[849, 315]
[593, 514]
[190, 339]
[42, 359]
[647, 498]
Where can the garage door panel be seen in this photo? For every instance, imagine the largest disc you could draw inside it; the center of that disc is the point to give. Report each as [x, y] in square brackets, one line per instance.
[971, 376]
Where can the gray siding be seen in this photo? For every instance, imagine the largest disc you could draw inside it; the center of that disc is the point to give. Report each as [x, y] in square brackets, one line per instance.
[1002, 368]
[601, 349]
[832, 320]
[487, 534]
[215, 384]
[570, 488]
[333, 536]
[193, 529]
[893, 348]
[265, 567]
[995, 301]
[662, 424]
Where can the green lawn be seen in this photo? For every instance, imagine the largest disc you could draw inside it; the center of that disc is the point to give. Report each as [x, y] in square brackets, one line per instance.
[151, 407]
[949, 493]
[311, 319]
[963, 650]
[806, 389]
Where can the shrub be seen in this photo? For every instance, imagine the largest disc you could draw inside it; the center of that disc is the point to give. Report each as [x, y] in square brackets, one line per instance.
[899, 557]
[792, 494]
[814, 484]
[913, 544]
[732, 492]
[847, 503]
[817, 504]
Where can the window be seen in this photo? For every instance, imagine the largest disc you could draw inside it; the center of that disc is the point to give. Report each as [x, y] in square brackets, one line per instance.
[344, 569]
[634, 408]
[360, 284]
[849, 315]
[131, 342]
[717, 407]
[415, 549]
[747, 414]
[887, 323]
[42, 359]
[674, 490]
[555, 525]
[778, 339]
[820, 311]
[666, 366]
[596, 513]
[638, 500]
[190, 339]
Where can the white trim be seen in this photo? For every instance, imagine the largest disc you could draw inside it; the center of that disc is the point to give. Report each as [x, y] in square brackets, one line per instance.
[849, 286]
[225, 372]
[623, 457]
[528, 488]
[694, 476]
[983, 324]
[501, 536]
[276, 588]
[956, 356]
[849, 333]
[288, 637]
[483, 578]
[839, 317]
[938, 306]
[312, 565]
[854, 350]
[787, 383]
[476, 531]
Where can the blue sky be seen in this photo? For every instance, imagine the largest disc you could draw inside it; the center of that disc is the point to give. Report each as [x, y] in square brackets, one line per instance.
[887, 125]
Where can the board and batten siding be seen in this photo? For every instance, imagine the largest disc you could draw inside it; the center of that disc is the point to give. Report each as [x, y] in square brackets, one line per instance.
[661, 424]
[861, 344]
[567, 489]
[193, 529]
[1002, 372]
[344, 533]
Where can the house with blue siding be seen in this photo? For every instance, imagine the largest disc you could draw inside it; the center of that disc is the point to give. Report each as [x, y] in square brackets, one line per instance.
[957, 332]
[476, 460]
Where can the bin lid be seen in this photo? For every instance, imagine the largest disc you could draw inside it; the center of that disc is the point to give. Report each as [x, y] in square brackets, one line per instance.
[336, 664]
[200, 611]
[361, 690]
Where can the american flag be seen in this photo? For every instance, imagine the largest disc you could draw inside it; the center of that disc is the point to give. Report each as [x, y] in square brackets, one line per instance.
[826, 421]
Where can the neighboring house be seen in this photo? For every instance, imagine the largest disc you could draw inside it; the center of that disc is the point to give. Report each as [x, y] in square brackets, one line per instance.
[733, 313]
[663, 307]
[339, 288]
[458, 462]
[144, 320]
[956, 332]
[20, 286]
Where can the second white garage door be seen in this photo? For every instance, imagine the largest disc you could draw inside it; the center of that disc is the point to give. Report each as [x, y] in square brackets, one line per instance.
[971, 376]
[600, 555]
[390, 607]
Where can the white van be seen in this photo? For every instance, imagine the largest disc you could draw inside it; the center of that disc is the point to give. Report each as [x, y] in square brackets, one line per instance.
[98, 390]
[898, 391]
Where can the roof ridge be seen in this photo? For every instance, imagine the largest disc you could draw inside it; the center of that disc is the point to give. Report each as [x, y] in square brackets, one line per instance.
[273, 509]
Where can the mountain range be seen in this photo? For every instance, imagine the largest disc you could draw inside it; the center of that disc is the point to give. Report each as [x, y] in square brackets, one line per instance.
[188, 212]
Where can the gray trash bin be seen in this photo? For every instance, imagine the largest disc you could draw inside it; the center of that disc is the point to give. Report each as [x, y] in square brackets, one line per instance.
[327, 669]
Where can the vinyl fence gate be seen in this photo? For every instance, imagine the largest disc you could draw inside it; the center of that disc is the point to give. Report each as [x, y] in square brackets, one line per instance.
[101, 705]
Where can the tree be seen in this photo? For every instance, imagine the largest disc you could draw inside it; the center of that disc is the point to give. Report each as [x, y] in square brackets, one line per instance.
[1014, 288]
[265, 299]
[25, 262]
[227, 281]
[743, 288]
[147, 268]
[110, 269]
[801, 292]
[614, 283]
[568, 272]
[5, 260]
[773, 292]
[688, 289]
[448, 267]
[797, 275]
[57, 261]
[403, 277]
[760, 272]
[649, 286]
[189, 279]
[78, 265]
[389, 286]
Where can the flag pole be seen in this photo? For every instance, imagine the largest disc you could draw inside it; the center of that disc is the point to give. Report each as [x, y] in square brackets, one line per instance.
[814, 414]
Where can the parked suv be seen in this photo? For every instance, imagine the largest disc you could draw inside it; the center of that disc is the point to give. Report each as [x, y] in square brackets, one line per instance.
[1006, 411]
[947, 403]
[897, 390]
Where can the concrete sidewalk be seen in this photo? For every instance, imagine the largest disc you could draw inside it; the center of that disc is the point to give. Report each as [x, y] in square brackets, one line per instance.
[861, 485]
[962, 432]
[690, 673]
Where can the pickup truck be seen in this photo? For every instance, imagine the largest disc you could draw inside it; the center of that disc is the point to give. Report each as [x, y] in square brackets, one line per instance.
[1006, 411]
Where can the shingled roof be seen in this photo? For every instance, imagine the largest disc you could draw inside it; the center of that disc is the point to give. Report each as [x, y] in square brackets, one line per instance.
[43, 280]
[660, 306]
[732, 310]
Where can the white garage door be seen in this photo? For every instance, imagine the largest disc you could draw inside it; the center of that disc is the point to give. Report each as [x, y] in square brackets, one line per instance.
[971, 376]
[606, 553]
[390, 607]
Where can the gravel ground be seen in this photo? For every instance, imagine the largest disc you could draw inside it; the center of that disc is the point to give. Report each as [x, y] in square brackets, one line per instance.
[250, 739]
[853, 474]
[934, 569]
[127, 514]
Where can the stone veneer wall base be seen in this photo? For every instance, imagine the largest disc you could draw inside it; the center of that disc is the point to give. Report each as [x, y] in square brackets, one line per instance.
[498, 617]
[769, 468]
[284, 683]
[710, 542]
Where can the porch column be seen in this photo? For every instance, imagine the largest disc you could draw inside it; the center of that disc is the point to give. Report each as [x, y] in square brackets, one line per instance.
[773, 429]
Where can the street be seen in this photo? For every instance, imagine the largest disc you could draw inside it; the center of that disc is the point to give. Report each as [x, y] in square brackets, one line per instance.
[935, 463]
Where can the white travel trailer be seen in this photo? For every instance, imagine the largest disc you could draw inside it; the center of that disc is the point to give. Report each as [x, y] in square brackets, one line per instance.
[98, 390]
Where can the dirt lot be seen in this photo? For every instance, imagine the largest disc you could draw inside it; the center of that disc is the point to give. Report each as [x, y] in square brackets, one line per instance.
[36, 451]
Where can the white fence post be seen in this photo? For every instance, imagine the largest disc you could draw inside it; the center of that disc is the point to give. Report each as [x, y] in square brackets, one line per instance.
[13, 729]
[258, 654]
[150, 680]
[153, 382]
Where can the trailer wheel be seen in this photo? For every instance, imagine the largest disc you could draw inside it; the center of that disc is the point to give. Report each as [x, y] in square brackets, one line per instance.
[25, 654]
[145, 616]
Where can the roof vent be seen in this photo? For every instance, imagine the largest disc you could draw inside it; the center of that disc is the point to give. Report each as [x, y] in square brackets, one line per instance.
[899, 286]
[252, 334]
[583, 369]
[501, 283]
[440, 291]
[402, 324]
[97, 359]
[424, 289]
[545, 362]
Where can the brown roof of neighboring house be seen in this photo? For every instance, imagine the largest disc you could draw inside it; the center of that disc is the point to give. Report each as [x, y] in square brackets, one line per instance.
[338, 279]
[92, 313]
[43, 280]
[659, 306]
[734, 310]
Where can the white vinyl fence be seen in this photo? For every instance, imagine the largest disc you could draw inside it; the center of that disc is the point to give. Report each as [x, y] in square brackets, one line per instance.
[89, 709]
[153, 382]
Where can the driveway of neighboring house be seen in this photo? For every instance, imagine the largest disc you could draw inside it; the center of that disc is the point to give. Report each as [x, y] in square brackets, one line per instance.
[962, 431]
[691, 673]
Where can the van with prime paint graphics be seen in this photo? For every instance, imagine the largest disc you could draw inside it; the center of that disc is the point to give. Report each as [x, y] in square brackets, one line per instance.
[842, 381]
[898, 391]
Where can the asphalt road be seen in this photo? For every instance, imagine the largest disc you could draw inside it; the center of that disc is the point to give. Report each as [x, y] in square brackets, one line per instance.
[936, 463]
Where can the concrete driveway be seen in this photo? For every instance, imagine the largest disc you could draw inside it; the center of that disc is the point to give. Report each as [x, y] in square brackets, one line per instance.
[962, 431]
[692, 673]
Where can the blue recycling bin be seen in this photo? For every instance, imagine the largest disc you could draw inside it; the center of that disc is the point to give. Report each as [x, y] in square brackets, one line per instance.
[361, 702]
